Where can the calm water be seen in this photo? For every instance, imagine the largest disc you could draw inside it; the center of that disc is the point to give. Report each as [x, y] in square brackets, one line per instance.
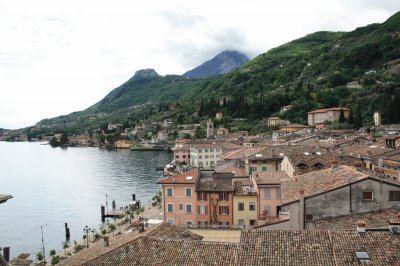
[53, 186]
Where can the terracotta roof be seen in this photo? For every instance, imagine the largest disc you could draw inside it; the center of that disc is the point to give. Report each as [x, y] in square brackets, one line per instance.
[242, 153]
[173, 231]
[329, 109]
[20, 262]
[181, 178]
[237, 171]
[151, 251]
[240, 185]
[270, 178]
[215, 182]
[295, 125]
[373, 219]
[317, 247]
[318, 182]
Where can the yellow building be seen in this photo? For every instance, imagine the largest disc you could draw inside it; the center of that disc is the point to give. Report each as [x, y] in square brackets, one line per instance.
[244, 203]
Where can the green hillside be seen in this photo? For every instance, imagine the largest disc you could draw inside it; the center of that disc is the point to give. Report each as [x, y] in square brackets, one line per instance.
[308, 73]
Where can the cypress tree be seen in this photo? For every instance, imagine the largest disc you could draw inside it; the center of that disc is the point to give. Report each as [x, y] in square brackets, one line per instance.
[341, 116]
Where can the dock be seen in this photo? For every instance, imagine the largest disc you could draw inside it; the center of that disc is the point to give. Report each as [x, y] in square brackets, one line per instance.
[115, 214]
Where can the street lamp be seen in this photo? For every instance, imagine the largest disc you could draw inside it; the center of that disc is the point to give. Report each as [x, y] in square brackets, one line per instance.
[86, 230]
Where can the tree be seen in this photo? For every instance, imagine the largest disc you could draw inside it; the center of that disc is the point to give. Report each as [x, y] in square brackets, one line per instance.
[350, 119]
[39, 256]
[65, 245]
[358, 117]
[342, 119]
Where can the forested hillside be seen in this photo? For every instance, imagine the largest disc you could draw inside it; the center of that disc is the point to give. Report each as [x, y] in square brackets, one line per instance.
[358, 69]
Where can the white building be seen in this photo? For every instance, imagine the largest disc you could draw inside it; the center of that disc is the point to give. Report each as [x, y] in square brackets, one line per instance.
[205, 156]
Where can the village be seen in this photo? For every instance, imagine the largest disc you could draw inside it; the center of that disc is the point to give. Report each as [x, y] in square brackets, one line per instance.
[224, 194]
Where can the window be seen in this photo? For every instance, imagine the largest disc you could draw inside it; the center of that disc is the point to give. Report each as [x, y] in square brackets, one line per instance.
[170, 221]
[394, 195]
[367, 195]
[170, 207]
[278, 193]
[211, 150]
[223, 196]
[200, 157]
[188, 207]
[217, 150]
[188, 192]
[252, 206]
[202, 196]
[184, 156]
[202, 209]
[206, 150]
[241, 206]
[177, 156]
[253, 169]
[202, 223]
[200, 150]
[180, 206]
[224, 210]
[252, 222]
[189, 222]
[267, 193]
[169, 191]
[309, 217]
[241, 222]
[264, 169]
[206, 156]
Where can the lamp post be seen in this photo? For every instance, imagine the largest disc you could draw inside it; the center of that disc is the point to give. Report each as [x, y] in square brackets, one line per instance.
[86, 230]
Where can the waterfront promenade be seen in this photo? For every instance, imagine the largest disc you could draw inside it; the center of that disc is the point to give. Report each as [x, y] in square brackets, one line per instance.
[116, 239]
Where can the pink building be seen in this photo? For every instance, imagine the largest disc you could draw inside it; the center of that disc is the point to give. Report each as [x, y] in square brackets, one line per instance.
[269, 192]
[182, 155]
[180, 199]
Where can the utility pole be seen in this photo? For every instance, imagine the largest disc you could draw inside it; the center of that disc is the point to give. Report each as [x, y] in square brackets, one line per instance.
[43, 250]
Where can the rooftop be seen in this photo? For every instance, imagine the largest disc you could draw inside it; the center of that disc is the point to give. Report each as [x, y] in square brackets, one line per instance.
[318, 182]
[185, 178]
[328, 109]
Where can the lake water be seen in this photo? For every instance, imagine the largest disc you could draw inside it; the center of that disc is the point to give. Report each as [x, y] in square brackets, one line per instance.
[53, 186]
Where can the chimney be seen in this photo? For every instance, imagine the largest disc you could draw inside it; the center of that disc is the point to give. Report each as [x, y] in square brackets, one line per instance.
[334, 165]
[361, 227]
[358, 166]
[301, 210]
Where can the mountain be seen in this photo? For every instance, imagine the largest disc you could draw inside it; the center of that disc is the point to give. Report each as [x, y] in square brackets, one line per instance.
[315, 71]
[223, 63]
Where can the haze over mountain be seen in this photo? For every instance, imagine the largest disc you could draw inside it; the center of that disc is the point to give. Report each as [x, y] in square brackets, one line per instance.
[222, 63]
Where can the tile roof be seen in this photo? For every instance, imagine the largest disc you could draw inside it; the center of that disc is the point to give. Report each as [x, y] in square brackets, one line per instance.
[318, 182]
[242, 153]
[269, 178]
[317, 247]
[151, 251]
[172, 231]
[215, 182]
[373, 219]
[240, 186]
[328, 109]
[308, 162]
[181, 178]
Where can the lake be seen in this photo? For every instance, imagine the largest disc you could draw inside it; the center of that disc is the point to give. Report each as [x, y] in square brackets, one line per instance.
[53, 186]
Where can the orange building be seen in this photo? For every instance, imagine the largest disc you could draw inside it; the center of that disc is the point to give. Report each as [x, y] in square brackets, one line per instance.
[180, 198]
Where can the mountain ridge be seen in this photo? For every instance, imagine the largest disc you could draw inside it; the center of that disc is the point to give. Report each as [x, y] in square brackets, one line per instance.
[222, 63]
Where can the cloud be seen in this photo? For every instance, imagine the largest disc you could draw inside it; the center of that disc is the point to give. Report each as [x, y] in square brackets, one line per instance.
[83, 49]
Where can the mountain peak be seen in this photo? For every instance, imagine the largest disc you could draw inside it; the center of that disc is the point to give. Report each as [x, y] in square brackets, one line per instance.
[222, 63]
[145, 74]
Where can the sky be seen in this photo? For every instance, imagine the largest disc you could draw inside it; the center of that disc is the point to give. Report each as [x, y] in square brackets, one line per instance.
[62, 56]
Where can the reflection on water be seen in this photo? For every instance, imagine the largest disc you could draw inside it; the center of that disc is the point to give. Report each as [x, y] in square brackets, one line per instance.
[53, 186]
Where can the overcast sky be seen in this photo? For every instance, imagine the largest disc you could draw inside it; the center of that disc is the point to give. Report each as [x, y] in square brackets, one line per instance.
[61, 56]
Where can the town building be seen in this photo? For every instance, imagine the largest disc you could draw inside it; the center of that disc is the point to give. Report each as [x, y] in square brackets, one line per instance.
[205, 156]
[180, 198]
[320, 116]
[273, 121]
[210, 129]
[162, 135]
[245, 203]
[377, 119]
